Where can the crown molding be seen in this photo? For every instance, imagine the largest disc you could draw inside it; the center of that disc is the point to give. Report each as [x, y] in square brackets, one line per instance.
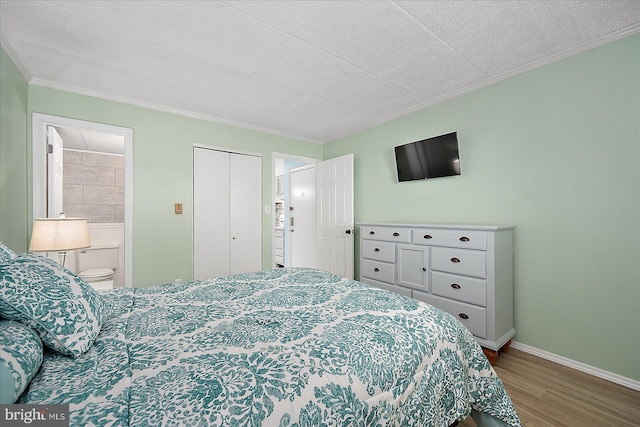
[468, 89]
[167, 109]
[500, 77]
[6, 46]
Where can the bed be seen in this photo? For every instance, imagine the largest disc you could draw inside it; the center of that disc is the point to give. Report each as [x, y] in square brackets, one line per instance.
[281, 347]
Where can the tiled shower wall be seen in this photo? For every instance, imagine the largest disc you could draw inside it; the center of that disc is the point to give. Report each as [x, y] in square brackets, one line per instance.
[93, 186]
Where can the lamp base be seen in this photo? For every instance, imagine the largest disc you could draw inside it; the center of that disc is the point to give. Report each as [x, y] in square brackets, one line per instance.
[62, 257]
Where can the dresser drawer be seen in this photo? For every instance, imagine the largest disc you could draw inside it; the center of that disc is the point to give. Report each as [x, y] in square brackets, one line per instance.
[461, 288]
[377, 270]
[451, 238]
[474, 318]
[279, 242]
[280, 252]
[389, 234]
[387, 286]
[279, 232]
[459, 261]
[381, 251]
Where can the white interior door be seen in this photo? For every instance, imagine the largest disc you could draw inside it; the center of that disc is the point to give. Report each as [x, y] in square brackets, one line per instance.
[245, 213]
[55, 160]
[302, 226]
[335, 215]
[211, 214]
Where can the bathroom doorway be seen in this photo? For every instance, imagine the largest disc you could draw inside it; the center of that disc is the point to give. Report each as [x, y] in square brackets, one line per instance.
[87, 173]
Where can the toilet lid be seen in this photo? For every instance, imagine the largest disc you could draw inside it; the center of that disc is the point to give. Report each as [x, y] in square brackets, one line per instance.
[96, 272]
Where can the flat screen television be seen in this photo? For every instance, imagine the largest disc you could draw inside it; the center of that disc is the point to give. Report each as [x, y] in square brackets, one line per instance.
[428, 158]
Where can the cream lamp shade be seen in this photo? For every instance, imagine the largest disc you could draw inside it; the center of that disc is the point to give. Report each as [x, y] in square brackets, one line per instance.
[59, 235]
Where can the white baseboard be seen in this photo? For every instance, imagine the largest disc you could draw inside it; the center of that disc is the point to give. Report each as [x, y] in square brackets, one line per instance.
[591, 370]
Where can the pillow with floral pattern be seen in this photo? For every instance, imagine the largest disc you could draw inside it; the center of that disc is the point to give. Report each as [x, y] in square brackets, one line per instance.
[6, 254]
[20, 359]
[65, 311]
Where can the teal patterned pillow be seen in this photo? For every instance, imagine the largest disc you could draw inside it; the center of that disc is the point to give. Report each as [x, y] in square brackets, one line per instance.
[6, 254]
[20, 359]
[65, 311]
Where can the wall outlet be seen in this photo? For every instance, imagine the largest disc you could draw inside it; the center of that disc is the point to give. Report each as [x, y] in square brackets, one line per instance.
[178, 281]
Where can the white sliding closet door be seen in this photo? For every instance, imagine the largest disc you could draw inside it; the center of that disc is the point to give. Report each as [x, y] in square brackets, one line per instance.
[227, 216]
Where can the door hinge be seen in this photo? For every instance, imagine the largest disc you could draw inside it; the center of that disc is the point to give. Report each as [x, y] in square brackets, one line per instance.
[50, 148]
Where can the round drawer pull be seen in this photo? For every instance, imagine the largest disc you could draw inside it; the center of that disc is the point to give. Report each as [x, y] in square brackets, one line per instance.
[372, 232]
[424, 268]
[464, 239]
[376, 269]
[376, 249]
[396, 234]
[428, 236]
[463, 316]
[455, 286]
[455, 260]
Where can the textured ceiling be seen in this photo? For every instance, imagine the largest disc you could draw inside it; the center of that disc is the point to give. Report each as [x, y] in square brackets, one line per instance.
[313, 70]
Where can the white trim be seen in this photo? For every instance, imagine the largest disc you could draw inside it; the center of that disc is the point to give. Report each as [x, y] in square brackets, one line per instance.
[84, 150]
[227, 150]
[39, 184]
[168, 109]
[275, 155]
[14, 57]
[583, 367]
[495, 79]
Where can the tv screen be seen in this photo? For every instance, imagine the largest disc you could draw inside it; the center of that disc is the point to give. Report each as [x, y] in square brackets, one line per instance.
[428, 158]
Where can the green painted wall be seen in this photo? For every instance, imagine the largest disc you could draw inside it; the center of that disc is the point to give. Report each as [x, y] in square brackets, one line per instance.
[555, 152]
[162, 174]
[13, 156]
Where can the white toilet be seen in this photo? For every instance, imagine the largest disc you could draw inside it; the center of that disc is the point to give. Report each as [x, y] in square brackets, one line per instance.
[97, 264]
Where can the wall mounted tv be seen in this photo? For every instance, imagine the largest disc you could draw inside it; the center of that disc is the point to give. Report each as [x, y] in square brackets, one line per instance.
[428, 158]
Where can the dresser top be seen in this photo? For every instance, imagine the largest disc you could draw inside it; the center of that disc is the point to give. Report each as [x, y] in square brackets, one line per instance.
[480, 227]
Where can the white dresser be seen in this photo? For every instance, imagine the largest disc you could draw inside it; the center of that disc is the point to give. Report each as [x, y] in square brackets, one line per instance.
[464, 270]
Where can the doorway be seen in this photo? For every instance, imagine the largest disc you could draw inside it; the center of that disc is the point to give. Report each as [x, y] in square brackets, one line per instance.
[330, 220]
[98, 143]
[282, 165]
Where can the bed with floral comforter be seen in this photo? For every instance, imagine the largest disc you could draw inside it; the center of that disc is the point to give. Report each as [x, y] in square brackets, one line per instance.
[282, 347]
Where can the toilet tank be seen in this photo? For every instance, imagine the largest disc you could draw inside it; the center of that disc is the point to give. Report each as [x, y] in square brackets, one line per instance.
[98, 256]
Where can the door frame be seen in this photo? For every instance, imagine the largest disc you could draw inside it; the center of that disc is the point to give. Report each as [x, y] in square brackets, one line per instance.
[230, 151]
[39, 125]
[274, 156]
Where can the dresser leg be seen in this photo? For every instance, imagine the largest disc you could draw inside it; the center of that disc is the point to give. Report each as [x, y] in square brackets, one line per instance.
[492, 355]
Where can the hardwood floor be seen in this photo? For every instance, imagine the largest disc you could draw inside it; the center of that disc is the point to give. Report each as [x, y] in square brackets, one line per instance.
[548, 394]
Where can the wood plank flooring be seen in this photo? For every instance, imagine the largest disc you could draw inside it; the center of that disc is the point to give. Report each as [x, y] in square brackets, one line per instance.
[551, 395]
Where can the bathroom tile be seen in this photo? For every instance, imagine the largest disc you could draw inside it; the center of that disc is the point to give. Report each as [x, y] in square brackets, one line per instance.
[120, 177]
[72, 194]
[120, 213]
[71, 157]
[93, 213]
[104, 160]
[103, 194]
[89, 175]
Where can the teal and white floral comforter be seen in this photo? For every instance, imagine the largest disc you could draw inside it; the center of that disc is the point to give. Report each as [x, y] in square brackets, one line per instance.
[284, 347]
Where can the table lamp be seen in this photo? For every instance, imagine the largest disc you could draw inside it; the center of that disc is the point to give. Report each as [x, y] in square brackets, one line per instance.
[59, 235]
